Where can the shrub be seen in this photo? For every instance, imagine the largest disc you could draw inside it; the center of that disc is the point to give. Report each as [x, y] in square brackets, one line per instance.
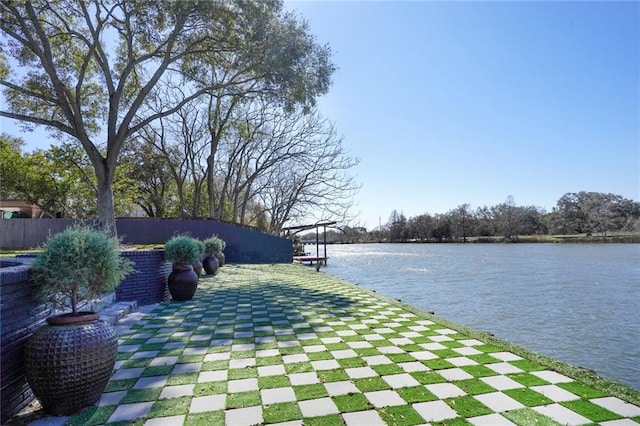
[214, 245]
[181, 250]
[76, 265]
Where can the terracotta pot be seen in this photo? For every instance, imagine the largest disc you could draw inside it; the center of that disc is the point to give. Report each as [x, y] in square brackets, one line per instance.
[182, 283]
[211, 264]
[68, 362]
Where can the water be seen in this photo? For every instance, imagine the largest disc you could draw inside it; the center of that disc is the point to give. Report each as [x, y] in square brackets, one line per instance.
[579, 303]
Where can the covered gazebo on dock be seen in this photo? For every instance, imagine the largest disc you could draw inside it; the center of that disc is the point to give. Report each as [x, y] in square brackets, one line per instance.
[307, 257]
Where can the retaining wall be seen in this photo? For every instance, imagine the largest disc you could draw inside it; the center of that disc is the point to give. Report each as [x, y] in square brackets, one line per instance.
[21, 315]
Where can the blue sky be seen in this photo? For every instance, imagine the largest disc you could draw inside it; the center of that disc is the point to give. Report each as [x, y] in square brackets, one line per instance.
[447, 103]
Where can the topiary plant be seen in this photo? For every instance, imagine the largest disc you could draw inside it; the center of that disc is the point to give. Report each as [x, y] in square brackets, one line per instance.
[76, 265]
[181, 250]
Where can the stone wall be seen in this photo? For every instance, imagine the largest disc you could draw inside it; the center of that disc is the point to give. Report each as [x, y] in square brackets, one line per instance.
[148, 284]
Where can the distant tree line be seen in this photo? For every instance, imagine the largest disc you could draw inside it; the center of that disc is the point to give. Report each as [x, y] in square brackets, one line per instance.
[589, 213]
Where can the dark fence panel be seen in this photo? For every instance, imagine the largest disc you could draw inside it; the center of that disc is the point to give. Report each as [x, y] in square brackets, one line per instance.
[244, 245]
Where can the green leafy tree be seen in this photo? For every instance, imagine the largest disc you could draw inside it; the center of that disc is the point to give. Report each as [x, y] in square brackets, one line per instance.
[90, 69]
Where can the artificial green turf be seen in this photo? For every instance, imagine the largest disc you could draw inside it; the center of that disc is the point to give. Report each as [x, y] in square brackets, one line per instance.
[281, 412]
[400, 416]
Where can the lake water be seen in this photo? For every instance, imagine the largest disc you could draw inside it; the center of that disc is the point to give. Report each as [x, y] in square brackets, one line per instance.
[579, 303]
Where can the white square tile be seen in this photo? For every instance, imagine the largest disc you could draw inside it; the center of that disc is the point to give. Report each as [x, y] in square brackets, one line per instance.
[384, 398]
[362, 418]
[434, 411]
[401, 341]
[314, 348]
[452, 374]
[271, 370]
[468, 350]
[201, 404]
[555, 393]
[244, 416]
[562, 414]
[341, 388]
[163, 360]
[432, 346]
[390, 350]
[222, 356]
[411, 367]
[490, 420]
[346, 353]
[212, 376]
[151, 382]
[505, 356]
[292, 359]
[329, 364]
[111, 398]
[130, 411]
[303, 378]
[445, 390]
[176, 391]
[552, 377]
[461, 361]
[242, 363]
[423, 355]
[166, 421]
[377, 360]
[359, 345]
[501, 382]
[193, 367]
[618, 406]
[360, 372]
[242, 385]
[275, 395]
[400, 380]
[504, 368]
[318, 407]
[498, 401]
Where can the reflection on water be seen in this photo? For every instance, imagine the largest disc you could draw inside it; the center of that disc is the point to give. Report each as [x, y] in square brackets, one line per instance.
[577, 303]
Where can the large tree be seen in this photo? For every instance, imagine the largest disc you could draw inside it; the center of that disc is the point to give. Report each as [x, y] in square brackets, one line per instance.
[89, 68]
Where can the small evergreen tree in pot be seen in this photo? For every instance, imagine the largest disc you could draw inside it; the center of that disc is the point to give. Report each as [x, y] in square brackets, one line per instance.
[212, 247]
[182, 250]
[68, 362]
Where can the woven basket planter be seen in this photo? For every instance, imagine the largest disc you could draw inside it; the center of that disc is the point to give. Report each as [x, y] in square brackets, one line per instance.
[182, 283]
[68, 366]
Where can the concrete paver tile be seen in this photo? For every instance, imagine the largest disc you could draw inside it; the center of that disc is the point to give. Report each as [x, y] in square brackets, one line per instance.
[341, 388]
[318, 407]
[552, 376]
[562, 414]
[490, 420]
[555, 393]
[275, 395]
[177, 391]
[453, 374]
[111, 398]
[360, 372]
[445, 390]
[271, 370]
[244, 416]
[384, 398]
[151, 382]
[498, 401]
[329, 364]
[501, 382]
[166, 421]
[298, 379]
[618, 406]
[130, 411]
[400, 380]
[361, 418]
[212, 376]
[242, 385]
[434, 411]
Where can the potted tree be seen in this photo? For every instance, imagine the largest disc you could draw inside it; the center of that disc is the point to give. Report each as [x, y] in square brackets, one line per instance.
[182, 251]
[69, 360]
[211, 247]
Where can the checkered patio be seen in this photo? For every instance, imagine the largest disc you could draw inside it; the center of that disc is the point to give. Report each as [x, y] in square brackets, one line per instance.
[283, 344]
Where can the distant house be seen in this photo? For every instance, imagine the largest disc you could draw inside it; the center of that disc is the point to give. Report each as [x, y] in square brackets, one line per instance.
[12, 209]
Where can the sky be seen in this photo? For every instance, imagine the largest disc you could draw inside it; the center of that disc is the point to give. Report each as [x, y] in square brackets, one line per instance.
[447, 103]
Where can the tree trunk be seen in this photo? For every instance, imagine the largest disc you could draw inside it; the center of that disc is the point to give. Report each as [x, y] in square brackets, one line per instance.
[106, 214]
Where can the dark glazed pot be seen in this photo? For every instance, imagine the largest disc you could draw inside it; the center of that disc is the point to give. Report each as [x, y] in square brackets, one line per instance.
[197, 267]
[68, 365]
[211, 264]
[182, 283]
[221, 258]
